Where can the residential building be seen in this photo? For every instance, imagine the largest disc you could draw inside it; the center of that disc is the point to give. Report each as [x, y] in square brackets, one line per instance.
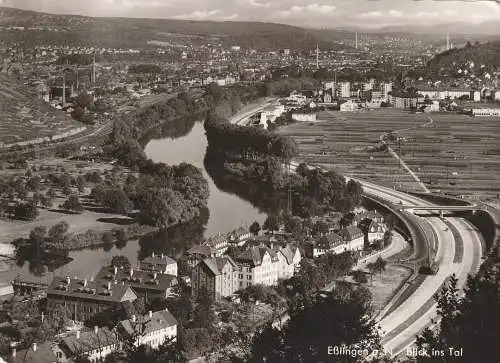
[271, 113]
[368, 214]
[304, 117]
[328, 243]
[149, 285]
[327, 97]
[257, 265]
[375, 232]
[289, 258]
[239, 236]
[152, 329]
[487, 112]
[36, 353]
[217, 275]
[198, 253]
[159, 263]
[402, 99]
[345, 89]
[350, 106]
[83, 298]
[353, 237]
[95, 345]
[218, 243]
[386, 88]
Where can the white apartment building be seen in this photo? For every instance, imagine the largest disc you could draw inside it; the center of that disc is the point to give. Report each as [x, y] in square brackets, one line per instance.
[159, 263]
[345, 89]
[152, 329]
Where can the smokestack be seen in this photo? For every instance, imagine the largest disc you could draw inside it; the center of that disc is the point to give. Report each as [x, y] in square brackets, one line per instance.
[34, 347]
[356, 40]
[96, 329]
[317, 56]
[78, 334]
[85, 283]
[150, 314]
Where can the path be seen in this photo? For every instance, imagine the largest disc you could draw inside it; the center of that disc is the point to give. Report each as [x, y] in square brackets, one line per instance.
[401, 161]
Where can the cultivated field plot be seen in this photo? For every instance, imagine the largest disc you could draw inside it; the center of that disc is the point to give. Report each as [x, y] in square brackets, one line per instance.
[455, 154]
[23, 117]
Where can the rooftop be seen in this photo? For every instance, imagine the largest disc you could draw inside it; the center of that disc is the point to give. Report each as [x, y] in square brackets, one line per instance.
[91, 290]
[151, 322]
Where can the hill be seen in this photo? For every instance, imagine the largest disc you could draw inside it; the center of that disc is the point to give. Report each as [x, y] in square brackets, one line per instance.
[131, 32]
[487, 54]
[24, 117]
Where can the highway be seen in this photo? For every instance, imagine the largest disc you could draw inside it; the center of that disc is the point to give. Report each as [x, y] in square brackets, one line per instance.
[400, 327]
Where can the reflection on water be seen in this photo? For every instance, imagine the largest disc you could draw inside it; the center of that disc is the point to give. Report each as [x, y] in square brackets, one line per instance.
[173, 143]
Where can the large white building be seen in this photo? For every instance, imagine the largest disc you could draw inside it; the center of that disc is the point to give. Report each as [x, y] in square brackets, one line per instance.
[345, 89]
[271, 113]
[152, 329]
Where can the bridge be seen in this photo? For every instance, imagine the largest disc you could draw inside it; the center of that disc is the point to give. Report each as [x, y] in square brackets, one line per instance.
[440, 208]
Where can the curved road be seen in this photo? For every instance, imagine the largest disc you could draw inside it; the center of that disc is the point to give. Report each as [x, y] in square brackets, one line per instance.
[402, 325]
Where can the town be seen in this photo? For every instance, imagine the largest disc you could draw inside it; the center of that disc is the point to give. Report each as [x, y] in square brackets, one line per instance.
[189, 191]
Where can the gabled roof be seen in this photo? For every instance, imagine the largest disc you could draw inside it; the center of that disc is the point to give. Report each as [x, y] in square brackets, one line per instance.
[329, 241]
[216, 264]
[158, 320]
[43, 354]
[162, 260]
[254, 255]
[89, 340]
[350, 232]
[203, 250]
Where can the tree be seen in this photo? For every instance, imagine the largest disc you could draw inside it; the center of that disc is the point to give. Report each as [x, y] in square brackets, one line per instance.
[120, 261]
[272, 223]
[359, 276]
[26, 211]
[469, 321]
[341, 318]
[58, 233]
[380, 265]
[255, 228]
[73, 204]
[37, 235]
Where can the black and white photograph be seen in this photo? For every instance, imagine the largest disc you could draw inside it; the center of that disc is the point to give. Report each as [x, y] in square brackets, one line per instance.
[249, 181]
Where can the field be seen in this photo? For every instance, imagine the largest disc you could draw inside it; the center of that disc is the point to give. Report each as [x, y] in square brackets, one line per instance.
[24, 117]
[450, 153]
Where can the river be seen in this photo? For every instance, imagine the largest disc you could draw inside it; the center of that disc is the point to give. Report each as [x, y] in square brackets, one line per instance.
[226, 212]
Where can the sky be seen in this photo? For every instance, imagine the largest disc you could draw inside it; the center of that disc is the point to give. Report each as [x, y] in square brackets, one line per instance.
[308, 13]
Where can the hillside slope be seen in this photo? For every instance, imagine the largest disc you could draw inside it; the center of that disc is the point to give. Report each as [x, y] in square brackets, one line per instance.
[129, 32]
[487, 54]
[23, 117]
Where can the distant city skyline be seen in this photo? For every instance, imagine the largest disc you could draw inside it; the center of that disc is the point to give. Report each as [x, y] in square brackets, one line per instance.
[313, 13]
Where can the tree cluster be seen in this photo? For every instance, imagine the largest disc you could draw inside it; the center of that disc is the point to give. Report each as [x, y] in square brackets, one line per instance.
[224, 136]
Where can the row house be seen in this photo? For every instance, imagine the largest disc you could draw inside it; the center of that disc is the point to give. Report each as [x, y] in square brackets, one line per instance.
[94, 345]
[83, 299]
[222, 276]
[152, 329]
[149, 285]
[330, 243]
[353, 238]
